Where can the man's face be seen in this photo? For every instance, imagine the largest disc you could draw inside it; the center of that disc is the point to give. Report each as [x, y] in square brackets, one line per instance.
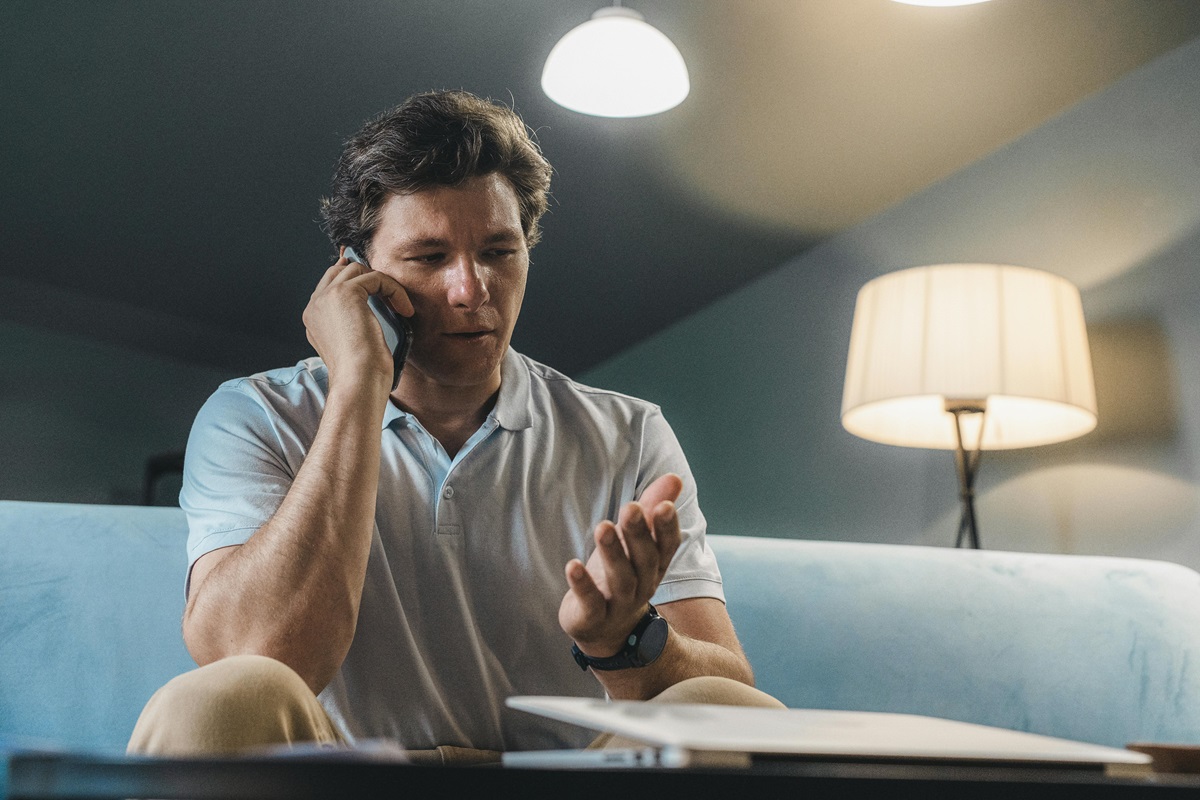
[460, 253]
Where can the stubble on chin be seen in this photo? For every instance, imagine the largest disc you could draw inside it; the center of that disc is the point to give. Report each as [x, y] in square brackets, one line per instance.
[459, 372]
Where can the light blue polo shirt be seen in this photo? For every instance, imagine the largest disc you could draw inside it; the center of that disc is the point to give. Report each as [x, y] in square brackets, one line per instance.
[465, 575]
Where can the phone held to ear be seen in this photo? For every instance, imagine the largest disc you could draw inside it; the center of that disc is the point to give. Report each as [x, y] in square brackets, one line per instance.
[397, 333]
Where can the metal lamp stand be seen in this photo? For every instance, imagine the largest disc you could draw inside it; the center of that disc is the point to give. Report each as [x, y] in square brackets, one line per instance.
[967, 464]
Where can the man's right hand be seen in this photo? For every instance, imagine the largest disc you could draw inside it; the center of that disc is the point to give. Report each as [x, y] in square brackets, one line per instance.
[340, 326]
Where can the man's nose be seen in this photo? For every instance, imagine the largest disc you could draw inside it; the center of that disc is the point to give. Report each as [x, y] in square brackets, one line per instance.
[468, 285]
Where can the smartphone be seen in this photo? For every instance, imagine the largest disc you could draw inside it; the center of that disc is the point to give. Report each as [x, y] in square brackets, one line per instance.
[397, 333]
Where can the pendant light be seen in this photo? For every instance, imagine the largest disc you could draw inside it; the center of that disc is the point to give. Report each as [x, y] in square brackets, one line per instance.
[616, 65]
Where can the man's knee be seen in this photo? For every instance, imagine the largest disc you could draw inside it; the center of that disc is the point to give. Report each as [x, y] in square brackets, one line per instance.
[708, 690]
[231, 705]
[717, 691]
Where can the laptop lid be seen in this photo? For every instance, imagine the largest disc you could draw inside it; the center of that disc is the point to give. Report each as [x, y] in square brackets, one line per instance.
[817, 733]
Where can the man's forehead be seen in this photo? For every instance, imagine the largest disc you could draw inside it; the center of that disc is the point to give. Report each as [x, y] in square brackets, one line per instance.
[484, 207]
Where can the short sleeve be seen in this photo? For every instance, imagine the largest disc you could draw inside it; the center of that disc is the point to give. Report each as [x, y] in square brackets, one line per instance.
[235, 472]
[693, 571]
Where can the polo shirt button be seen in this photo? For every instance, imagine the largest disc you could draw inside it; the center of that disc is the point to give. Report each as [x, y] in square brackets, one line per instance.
[448, 492]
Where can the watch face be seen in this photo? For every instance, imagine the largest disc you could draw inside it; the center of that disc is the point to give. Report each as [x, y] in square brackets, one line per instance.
[653, 640]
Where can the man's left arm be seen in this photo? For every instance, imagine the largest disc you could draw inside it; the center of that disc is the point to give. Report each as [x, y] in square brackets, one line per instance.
[610, 594]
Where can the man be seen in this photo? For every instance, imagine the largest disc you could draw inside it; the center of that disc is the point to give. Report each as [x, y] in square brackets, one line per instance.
[402, 552]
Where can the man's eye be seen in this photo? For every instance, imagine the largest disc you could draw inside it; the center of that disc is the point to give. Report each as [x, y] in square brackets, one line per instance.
[500, 253]
[426, 258]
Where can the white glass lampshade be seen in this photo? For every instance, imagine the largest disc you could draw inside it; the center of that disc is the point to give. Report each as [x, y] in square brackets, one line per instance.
[1010, 338]
[616, 65]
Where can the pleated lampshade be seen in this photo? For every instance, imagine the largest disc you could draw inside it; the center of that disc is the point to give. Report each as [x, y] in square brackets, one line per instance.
[1008, 338]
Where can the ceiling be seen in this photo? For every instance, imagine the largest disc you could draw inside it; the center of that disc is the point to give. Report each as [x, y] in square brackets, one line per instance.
[162, 161]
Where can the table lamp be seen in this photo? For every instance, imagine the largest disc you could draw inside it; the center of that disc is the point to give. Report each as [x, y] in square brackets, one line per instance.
[950, 354]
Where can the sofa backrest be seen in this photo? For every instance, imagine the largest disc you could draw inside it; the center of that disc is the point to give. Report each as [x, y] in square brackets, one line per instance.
[1105, 650]
[91, 599]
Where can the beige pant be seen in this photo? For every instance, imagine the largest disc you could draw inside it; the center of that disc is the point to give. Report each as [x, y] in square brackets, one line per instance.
[247, 702]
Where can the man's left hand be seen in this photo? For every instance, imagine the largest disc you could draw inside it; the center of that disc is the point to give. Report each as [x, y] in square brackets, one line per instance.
[609, 595]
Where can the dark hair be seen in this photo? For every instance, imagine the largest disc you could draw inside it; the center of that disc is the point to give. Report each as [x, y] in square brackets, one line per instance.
[433, 139]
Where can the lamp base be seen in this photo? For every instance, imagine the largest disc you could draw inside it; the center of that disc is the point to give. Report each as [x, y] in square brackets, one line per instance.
[967, 466]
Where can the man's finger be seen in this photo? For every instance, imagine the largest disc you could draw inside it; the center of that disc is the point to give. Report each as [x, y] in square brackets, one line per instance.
[348, 271]
[378, 283]
[642, 549]
[667, 536]
[330, 274]
[618, 572]
[589, 597]
[667, 487]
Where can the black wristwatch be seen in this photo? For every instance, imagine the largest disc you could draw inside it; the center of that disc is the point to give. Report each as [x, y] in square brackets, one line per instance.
[642, 648]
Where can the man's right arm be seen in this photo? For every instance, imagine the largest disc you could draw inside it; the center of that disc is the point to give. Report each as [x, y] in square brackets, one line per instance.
[292, 591]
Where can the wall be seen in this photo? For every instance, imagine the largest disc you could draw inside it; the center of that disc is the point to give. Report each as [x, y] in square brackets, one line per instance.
[1108, 195]
[79, 418]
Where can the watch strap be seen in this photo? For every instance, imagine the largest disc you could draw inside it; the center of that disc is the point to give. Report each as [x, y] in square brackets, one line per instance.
[628, 655]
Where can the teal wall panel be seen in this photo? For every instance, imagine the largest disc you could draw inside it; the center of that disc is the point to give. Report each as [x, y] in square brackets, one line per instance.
[1108, 195]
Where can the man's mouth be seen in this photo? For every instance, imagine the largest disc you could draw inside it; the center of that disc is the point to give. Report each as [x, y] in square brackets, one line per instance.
[469, 335]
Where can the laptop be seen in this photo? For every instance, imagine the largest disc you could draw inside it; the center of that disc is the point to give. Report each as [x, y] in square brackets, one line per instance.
[681, 735]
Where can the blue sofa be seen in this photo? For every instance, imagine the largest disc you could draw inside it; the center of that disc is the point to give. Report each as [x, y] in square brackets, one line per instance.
[1095, 649]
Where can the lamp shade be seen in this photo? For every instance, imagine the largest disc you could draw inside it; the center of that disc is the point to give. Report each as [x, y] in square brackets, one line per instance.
[1009, 338]
[616, 65]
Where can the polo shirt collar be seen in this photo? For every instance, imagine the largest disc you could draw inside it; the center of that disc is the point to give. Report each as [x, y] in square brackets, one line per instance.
[512, 406]
[392, 413]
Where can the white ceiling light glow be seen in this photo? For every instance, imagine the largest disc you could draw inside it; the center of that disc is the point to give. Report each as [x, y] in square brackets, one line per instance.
[940, 2]
[616, 65]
